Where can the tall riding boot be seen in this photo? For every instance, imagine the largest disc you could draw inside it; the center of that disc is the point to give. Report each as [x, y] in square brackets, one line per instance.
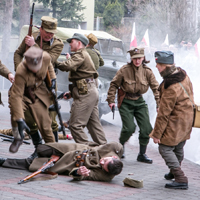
[17, 142]
[181, 181]
[56, 135]
[36, 139]
[142, 157]
[123, 155]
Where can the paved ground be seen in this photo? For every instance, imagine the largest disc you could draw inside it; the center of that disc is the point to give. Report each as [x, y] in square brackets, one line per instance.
[64, 187]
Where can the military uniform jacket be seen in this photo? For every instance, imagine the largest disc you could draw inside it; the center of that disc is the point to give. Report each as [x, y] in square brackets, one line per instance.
[135, 80]
[66, 164]
[80, 66]
[96, 57]
[54, 48]
[25, 78]
[175, 116]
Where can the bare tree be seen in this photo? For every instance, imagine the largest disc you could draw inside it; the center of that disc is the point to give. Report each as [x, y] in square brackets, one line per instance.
[7, 21]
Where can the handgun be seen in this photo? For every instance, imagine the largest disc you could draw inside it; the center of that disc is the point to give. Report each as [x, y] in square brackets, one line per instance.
[113, 110]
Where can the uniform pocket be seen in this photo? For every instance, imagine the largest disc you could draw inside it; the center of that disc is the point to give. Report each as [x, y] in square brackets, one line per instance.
[129, 85]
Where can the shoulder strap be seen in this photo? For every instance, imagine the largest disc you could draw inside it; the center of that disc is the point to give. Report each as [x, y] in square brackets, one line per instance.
[186, 93]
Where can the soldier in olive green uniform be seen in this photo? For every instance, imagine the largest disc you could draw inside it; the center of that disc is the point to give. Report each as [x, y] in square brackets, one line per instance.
[29, 92]
[94, 53]
[5, 72]
[45, 39]
[102, 163]
[84, 110]
[134, 80]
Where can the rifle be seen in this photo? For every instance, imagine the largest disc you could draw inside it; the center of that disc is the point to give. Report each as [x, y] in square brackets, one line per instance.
[30, 25]
[44, 167]
[61, 96]
[10, 138]
[113, 110]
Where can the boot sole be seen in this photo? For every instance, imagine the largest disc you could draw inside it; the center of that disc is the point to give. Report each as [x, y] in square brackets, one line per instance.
[145, 162]
[178, 187]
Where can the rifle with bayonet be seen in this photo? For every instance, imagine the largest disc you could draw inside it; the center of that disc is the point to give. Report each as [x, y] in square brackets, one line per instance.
[10, 138]
[44, 167]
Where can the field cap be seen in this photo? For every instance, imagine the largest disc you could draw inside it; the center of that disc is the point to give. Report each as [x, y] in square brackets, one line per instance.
[133, 183]
[33, 57]
[164, 57]
[79, 37]
[92, 39]
[136, 52]
[49, 24]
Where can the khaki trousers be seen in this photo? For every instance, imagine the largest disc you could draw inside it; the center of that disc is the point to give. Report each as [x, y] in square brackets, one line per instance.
[84, 112]
[40, 114]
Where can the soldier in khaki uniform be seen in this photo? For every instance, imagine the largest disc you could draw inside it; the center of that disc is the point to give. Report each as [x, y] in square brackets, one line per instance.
[29, 92]
[94, 53]
[134, 80]
[5, 72]
[84, 110]
[45, 39]
[102, 163]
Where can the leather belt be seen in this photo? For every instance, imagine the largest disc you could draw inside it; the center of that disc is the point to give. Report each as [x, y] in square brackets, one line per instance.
[132, 95]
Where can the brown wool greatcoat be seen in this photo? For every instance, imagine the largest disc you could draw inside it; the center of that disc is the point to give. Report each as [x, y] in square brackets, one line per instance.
[133, 79]
[53, 49]
[19, 103]
[66, 164]
[175, 116]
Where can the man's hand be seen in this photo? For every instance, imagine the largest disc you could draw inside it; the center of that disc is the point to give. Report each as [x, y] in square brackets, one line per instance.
[29, 40]
[83, 171]
[11, 77]
[68, 56]
[156, 141]
[53, 84]
[111, 105]
[67, 95]
[21, 126]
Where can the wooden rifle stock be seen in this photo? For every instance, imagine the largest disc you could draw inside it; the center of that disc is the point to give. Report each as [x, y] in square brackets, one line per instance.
[46, 166]
[30, 25]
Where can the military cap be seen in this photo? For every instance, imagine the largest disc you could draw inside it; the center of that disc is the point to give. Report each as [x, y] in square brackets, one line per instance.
[49, 24]
[92, 39]
[164, 57]
[133, 183]
[79, 37]
[33, 57]
[136, 52]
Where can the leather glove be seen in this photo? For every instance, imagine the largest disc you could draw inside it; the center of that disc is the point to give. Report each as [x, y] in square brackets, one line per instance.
[53, 84]
[21, 126]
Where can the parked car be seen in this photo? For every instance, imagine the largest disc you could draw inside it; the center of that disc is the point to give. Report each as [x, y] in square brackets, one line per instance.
[111, 49]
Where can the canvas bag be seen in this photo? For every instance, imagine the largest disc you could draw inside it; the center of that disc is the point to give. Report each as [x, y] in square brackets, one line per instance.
[196, 120]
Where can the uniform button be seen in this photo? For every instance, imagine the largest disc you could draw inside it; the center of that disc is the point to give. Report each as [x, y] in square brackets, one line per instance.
[117, 151]
[76, 151]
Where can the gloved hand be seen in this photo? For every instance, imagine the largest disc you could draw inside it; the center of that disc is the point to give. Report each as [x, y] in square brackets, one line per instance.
[21, 126]
[53, 84]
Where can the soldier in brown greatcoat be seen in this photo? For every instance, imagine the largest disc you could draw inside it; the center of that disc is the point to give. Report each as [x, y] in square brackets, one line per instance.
[29, 92]
[84, 110]
[175, 117]
[102, 163]
[5, 72]
[45, 39]
[133, 80]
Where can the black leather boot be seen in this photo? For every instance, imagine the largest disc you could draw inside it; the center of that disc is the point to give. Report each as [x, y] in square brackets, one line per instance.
[169, 176]
[56, 135]
[36, 139]
[142, 157]
[176, 185]
[2, 160]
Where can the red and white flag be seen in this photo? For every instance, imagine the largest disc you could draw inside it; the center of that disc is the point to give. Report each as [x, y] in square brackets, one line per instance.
[145, 39]
[133, 43]
[197, 48]
[166, 42]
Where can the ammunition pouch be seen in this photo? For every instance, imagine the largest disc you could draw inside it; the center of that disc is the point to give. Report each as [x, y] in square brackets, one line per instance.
[29, 92]
[82, 86]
